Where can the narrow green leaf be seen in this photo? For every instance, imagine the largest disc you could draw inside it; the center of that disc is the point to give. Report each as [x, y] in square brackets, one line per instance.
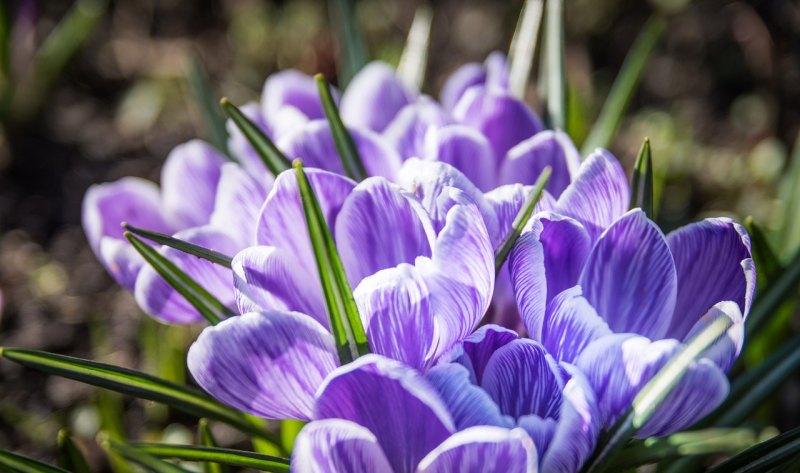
[218, 455]
[523, 46]
[207, 440]
[682, 444]
[625, 85]
[521, 219]
[773, 453]
[346, 147]
[556, 98]
[348, 333]
[145, 460]
[205, 98]
[134, 383]
[783, 287]
[209, 306]
[181, 245]
[16, 463]
[272, 157]
[789, 193]
[653, 394]
[414, 60]
[352, 54]
[289, 430]
[642, 182]
[767, 262]
[69, 454]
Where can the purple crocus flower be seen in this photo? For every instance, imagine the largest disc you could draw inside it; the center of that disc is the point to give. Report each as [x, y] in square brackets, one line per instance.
[603, 288]
[496, 378]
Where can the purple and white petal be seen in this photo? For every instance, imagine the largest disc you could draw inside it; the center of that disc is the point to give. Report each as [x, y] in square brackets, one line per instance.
[238, 202]
[334, 446]
[570, 325]
[468, 403]
[714, 264]
[598, 195]
[391, 400]
[159, 299]
[466, 150]
[189, 181]
[724, 351]
[374, 97]
[483, 449]
[269, 364]
[294, 89]
[407, 132]
[398, 315]
[379, 226]
[630, 278]
[456, 85]
[483, 343]
[526, 161]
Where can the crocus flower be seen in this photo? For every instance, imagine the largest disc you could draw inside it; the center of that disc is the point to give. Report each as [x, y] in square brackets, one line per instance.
[496, 378]
[376, 415]
[604, 289]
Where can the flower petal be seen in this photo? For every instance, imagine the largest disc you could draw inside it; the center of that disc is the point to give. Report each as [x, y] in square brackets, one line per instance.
[469, 404]
[525, 161]
[714, 264]
[598, 195]
[406, 133]
[483, 450]
[481, 345]
[397, 313]
[507, 201]
[334, 446]
[159, 299]
[291, 88]
[725, 350]
[238, 202]
[502, 118]
[380, 226]
[570, 325]
[268, 364]
[189, 181]
[374, 97]
[630, 279]
[456, 85]
[466, 150]
[415, 422]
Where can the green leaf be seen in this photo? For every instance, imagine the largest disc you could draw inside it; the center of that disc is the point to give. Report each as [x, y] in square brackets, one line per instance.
[133, 383]
[16, 463]
[682, 444]
[69, 454]
[218, 455]
[148, 462]
[775, 452]
[207, 440]
[352, 54]
[556, 98]
[209, 306]
[642, 182]
[521, 219]
[206, 99]
[625, 85]
[653, 394]
[181, 245]
[783, 287]
[767, 262]
[289, 430]
[346, 147]
[275, 161]
[348, 333]
[414, 60]
[523, 46]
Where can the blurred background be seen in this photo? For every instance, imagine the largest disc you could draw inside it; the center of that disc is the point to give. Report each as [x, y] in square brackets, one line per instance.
[719, 99]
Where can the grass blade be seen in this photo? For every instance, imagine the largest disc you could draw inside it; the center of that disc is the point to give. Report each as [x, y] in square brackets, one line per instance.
[16, 463]
[148, 462]
[625, 85]
[521, 219]
[783, 287]
[348, 153]
[272, 157]
[348, 332]
[218, 455]
[209, 306]
[767, 263]
[772, 453]
[207, 440]
[181, 245]
[556, 97]
[642, 182]
[414, 60]
[654, 393]
[523, 46]
[352, 54]
[205, 98]
[133, 383]
[69, 454]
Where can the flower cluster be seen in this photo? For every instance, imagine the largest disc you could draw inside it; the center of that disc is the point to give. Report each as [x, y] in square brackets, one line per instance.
[592, 302]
